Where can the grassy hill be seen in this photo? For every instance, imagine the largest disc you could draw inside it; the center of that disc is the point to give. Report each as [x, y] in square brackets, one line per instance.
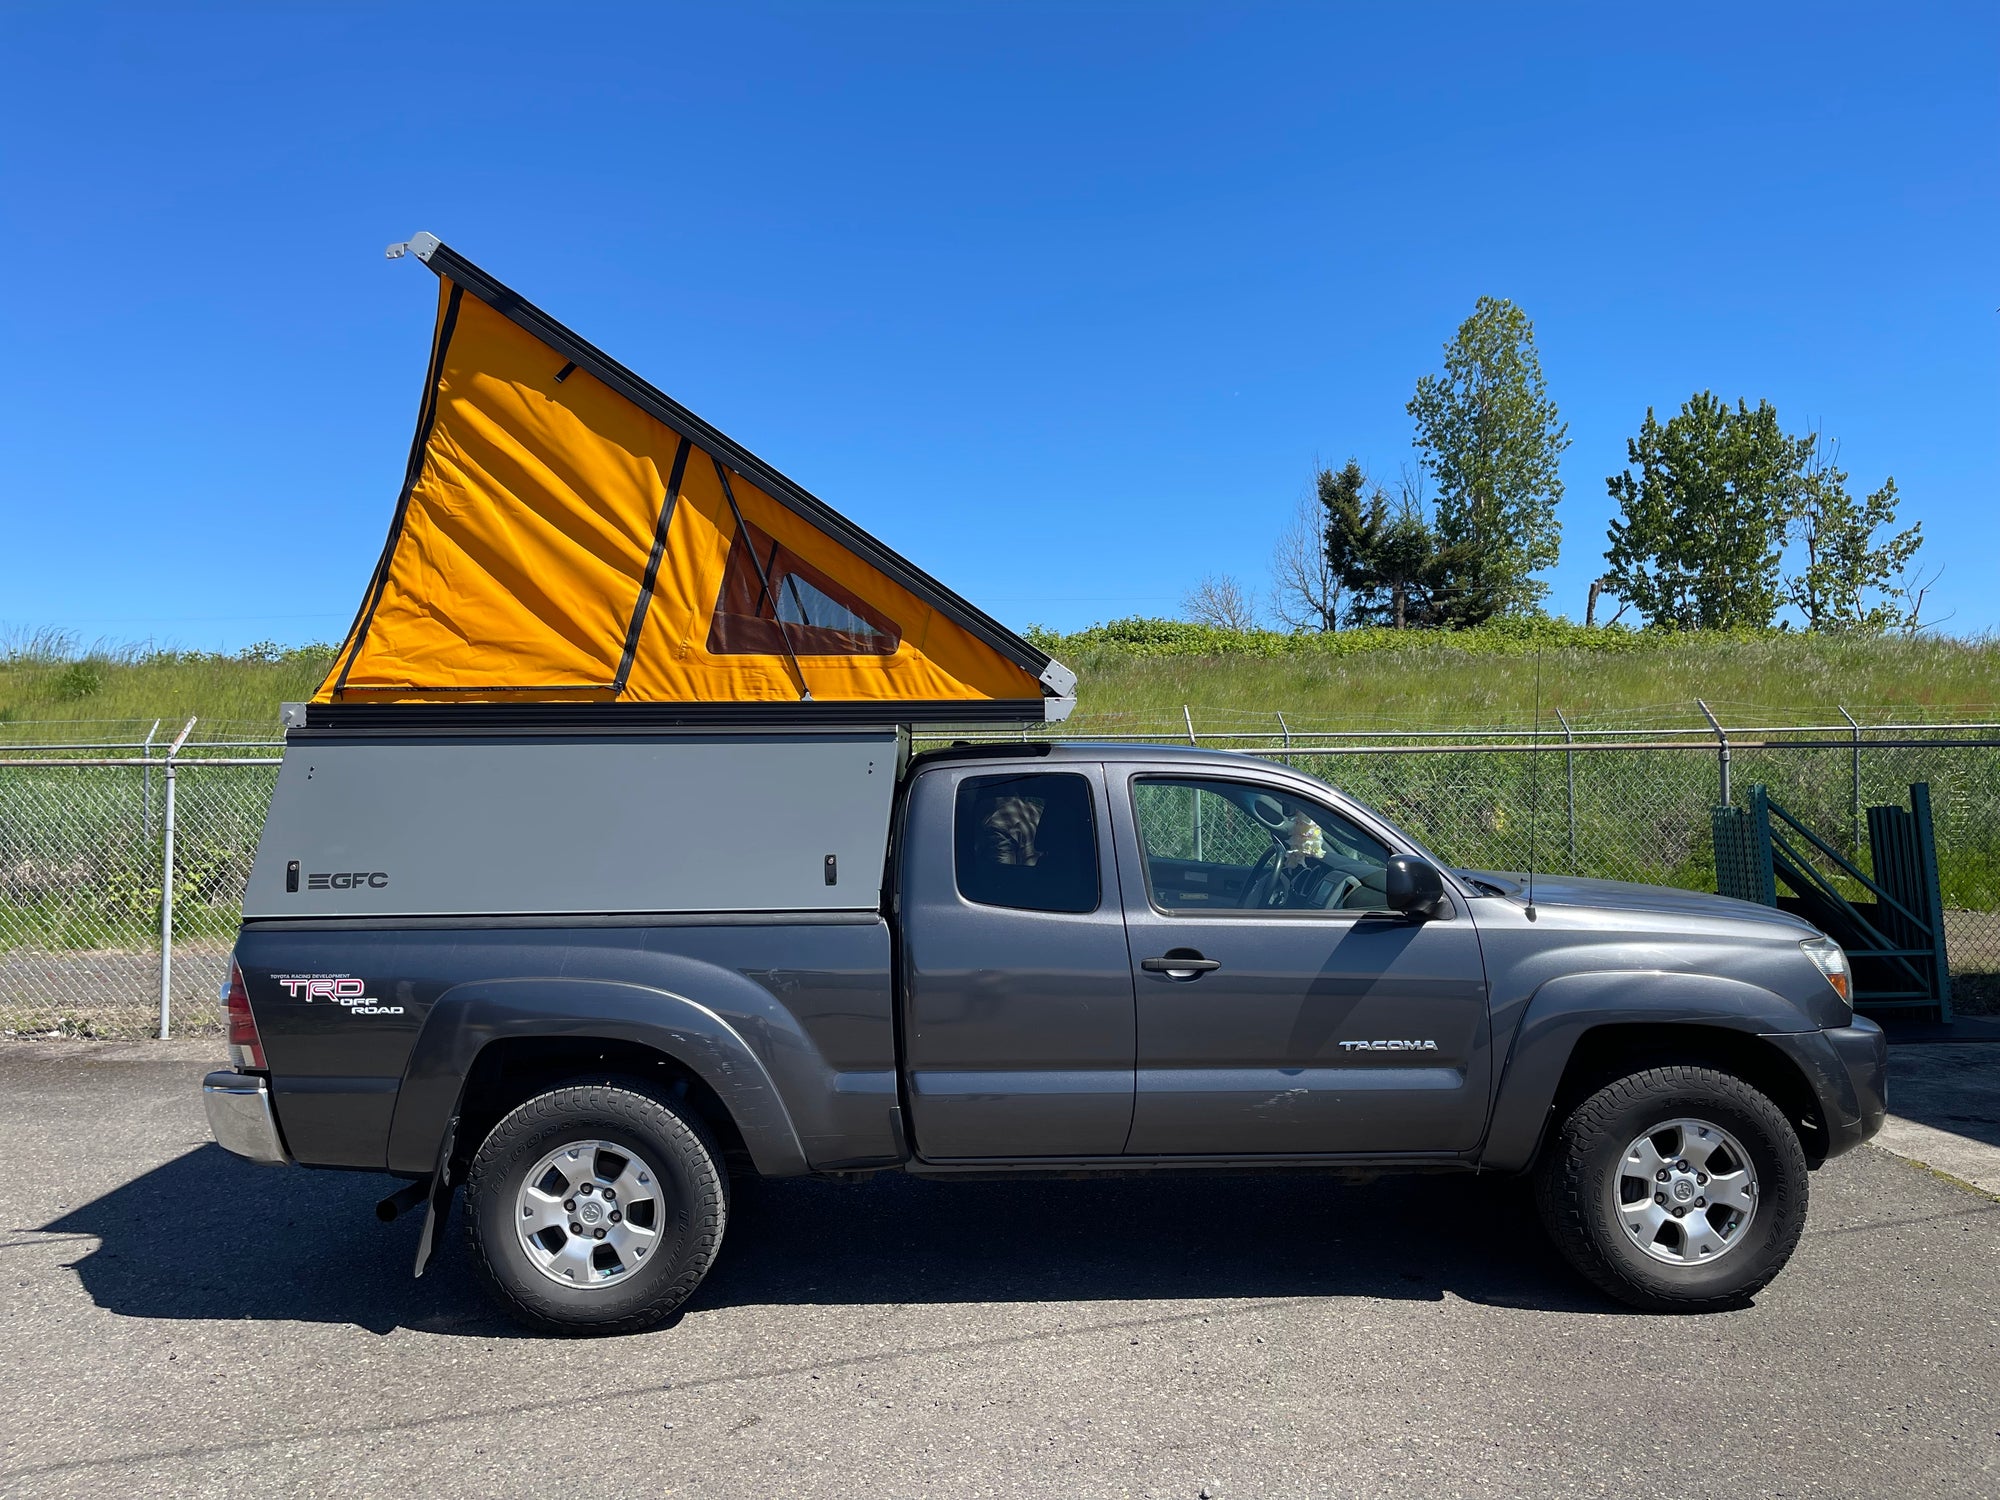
[1136, 675]
[52, 691]
[1386, 679]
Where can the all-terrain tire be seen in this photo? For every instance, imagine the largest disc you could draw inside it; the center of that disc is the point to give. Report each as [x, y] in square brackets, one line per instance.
[1576, 1189]
[693, 1206]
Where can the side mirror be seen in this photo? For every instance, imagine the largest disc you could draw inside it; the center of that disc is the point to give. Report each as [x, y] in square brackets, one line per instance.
[1414, 886]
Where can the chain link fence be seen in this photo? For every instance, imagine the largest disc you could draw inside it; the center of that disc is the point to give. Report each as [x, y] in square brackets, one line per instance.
[102, 855]
[84, 855]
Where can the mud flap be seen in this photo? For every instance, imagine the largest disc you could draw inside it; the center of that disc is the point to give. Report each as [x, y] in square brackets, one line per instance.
[437, 1207]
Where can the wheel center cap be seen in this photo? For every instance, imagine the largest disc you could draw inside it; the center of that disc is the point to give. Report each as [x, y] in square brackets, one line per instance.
[1683, 1190]
[591, 1211]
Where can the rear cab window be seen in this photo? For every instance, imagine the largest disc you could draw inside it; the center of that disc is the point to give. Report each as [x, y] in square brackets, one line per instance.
[1027, 841]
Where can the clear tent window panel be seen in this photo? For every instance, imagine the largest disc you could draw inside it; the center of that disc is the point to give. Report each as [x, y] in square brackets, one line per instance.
[769, 594]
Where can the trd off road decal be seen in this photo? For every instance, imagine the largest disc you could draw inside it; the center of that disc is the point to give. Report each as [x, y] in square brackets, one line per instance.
[339, 989]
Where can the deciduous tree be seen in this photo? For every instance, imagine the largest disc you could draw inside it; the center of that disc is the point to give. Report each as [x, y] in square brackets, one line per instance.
[1221, 601]
[1305, 590]
[1850, 580]
[1492, 441]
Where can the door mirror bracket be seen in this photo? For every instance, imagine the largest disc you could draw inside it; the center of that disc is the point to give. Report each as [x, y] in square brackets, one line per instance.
[1414, 887]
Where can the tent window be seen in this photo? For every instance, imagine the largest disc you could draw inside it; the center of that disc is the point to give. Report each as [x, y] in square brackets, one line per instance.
[821, 617]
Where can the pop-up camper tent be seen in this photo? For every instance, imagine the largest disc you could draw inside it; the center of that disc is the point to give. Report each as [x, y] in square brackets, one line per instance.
[571, 545]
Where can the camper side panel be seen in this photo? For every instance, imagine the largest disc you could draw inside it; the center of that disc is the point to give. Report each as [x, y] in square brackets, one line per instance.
[501, 826]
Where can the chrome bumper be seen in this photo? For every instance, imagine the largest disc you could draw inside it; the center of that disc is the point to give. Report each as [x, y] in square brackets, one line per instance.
[239, 1116]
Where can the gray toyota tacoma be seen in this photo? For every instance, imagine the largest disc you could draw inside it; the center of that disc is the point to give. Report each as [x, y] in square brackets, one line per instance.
[586, 978]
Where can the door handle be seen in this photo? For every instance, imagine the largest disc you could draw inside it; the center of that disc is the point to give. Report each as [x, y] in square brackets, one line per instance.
[1190, 964]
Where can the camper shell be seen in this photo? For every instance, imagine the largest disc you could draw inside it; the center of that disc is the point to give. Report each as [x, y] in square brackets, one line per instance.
[479, 824]
[600, 868]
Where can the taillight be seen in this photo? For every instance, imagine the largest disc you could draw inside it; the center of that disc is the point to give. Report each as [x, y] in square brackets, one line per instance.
[246, 1048]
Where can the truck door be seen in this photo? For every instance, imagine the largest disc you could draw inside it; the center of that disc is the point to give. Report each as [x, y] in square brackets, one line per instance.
[1017, 984]
[1276, 1014]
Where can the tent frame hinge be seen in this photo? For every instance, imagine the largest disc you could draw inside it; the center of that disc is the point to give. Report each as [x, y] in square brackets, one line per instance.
[420, 244]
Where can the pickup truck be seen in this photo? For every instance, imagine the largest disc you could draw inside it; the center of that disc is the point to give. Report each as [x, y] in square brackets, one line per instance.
[1055, 958]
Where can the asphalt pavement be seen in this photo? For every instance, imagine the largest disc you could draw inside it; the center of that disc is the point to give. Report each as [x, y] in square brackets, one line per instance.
[180, 1322]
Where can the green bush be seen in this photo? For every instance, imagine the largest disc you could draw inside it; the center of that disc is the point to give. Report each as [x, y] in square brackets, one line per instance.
[77, 681]
[1141, 636]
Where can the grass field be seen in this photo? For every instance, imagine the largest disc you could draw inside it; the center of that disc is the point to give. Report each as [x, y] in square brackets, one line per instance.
[51, 689]
[1382, 679]
[1139, 674]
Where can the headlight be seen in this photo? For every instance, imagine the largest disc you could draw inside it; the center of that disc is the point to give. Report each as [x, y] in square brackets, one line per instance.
[1828, 958]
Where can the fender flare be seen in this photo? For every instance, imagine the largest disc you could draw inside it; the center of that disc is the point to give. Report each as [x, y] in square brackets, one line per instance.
[1563, 1009]
[470, 1017]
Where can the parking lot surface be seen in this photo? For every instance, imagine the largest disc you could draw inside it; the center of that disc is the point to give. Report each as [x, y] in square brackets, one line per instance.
[180, 1322]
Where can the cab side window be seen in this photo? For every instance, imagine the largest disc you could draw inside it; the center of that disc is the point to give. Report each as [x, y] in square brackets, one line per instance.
[1027, 841]
[1230, 845]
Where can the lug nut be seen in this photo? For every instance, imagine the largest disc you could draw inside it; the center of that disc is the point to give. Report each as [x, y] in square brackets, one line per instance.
[1661, 1175]
[1659, 1197]
[1701, 1203]
[1681, 1165]
[610, 1195]
[616, 1216]
[575, 1228]
[587, 1189]
[1702, 1178]
[1680, 1213]
[569, 1205]
[597, 1235]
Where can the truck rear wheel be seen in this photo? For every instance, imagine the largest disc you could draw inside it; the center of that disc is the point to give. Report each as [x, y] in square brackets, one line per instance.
[596, 1208]
[1679, 1189]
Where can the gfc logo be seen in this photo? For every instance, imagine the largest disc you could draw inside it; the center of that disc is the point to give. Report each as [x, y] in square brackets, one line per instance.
[347, 880]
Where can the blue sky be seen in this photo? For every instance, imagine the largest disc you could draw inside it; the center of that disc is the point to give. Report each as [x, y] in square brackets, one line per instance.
[1064, 302]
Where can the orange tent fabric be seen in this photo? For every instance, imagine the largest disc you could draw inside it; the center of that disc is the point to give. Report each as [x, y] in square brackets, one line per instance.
[566, 533]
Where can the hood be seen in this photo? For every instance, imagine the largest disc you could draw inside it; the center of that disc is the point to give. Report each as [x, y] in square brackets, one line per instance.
[1627, 895]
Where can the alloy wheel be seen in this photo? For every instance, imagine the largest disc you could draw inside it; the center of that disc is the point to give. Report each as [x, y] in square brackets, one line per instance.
[589, 1213]
[1685, 1192]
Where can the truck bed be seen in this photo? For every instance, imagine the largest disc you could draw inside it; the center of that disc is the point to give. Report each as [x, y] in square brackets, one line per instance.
[805, 997]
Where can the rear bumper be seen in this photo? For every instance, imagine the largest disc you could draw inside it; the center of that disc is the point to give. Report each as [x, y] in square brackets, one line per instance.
[240, 1118]
[1848, 1068]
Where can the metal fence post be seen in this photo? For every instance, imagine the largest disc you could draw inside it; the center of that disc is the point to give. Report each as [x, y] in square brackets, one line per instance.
[1722, 755]
[1569, 755]
[1188, 714]
[1857, 776]
[167, 889]
[147, 829]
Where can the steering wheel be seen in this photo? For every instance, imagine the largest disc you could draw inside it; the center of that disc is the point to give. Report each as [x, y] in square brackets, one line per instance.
[1261, 887]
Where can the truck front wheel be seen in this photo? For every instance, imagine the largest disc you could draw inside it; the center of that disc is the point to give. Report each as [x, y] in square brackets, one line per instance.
[596, 1208]
[1679, 1189]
